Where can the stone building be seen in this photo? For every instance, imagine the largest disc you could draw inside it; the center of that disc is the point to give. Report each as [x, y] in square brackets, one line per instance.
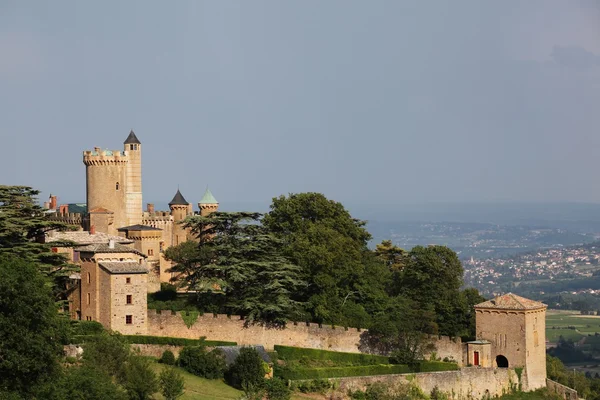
[119, 241]
[511, 333]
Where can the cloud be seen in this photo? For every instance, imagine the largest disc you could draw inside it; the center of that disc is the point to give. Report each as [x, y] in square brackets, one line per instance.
[574, 57]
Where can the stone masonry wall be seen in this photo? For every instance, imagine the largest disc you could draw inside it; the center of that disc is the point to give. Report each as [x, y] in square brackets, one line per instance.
[564, 391]
[232, 329]
[468, 383]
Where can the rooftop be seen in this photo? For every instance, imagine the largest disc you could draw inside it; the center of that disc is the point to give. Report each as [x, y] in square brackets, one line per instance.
[178, 200]
[84, 238]
[139, 227]
[132, 139]
[124, 267]
[106, 248]
[208, 198]
[511, 301]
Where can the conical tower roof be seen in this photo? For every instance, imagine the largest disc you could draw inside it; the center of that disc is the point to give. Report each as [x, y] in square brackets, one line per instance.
[178, 200]
[208, 198]
[132, 139]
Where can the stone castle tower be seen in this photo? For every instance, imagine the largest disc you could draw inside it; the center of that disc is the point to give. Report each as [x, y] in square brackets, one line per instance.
[512, 330]
[114, 186]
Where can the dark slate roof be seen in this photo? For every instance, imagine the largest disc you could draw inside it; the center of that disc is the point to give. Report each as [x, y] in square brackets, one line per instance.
[124, 267]
[232, 352]
[105, 248]
[178, 200]
[139, 227]
[132, 139]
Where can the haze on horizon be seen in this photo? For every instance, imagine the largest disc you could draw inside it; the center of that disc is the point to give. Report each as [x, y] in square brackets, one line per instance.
[381, 102]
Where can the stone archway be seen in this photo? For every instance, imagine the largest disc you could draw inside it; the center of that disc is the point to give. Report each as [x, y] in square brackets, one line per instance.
[501, 361]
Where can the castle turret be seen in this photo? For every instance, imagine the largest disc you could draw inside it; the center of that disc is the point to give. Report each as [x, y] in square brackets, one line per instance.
[133, 190]
[106, 178]
[208, 204]
[180, 209]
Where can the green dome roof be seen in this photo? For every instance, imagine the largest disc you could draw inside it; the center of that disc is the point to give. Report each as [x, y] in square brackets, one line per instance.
[208, 198]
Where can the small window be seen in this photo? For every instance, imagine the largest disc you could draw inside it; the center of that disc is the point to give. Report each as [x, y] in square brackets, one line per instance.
[117, 186]
[129, 299]
[150, 252]
[130, 147]
[89, 277]
[129, 319]
[89, 297]
[127, 280]
[161, 246]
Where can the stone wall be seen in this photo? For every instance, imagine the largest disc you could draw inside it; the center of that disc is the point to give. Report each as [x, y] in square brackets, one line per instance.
[468, 383]
[564, 391]
[232, 329]
[156, 350]
[222, 327]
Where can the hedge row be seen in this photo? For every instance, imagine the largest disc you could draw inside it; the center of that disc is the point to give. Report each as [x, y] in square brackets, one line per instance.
[296, 353]
[141, 339]
[361, 370]
[164, 340]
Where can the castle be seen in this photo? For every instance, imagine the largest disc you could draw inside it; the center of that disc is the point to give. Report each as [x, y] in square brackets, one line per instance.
[120, 246]
[120, 251]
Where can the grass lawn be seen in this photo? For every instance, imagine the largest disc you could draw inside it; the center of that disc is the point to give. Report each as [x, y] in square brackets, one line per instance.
[202, 389]
[197, 388]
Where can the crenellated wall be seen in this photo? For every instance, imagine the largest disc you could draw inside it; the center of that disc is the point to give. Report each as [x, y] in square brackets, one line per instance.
[232, 329]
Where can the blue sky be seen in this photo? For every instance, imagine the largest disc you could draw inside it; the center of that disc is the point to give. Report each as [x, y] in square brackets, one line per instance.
[368, 102]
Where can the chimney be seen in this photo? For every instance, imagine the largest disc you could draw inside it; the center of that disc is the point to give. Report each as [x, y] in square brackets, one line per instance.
[92, 229]
[111, 244]
[150, 208]
[52, 202]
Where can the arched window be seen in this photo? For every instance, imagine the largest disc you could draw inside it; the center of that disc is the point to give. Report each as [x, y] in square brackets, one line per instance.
[117, 186]
[501, 362]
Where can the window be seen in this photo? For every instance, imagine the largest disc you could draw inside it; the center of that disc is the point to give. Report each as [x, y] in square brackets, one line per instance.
[150, 252]
[88, 298]
[117, 186]
[89, 277]
[127, 280]
[161, 246]
[88, 318]
[130, 147]
[129, 319]
[129, 299]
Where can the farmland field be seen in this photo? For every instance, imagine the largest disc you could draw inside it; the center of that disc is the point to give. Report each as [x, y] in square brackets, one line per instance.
[570, 325]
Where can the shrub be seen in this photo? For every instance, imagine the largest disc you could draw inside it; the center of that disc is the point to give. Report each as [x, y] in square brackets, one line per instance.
[298, 353]
[107, 352]
[314, 386]
[276, 389]
[139, 379]
[198, 361]
[171, 383]
[141, 339]
[167, 358]
[247, 370]
[87, 328]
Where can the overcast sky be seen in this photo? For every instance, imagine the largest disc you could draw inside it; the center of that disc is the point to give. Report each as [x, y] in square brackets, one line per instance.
[366, 101]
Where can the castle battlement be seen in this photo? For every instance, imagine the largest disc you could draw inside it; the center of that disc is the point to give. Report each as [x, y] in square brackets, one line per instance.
[104, 157]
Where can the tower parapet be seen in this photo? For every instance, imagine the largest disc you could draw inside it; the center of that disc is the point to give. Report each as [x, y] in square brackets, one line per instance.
[104, 157]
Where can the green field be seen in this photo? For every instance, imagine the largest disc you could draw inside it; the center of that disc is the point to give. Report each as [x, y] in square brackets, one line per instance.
[570, 325]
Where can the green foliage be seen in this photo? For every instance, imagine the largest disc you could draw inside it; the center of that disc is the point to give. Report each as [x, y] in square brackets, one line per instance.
[288, 353]
[402, 332]
[277, 389]
[432, 278]
[437, 394]
[247, 370]
[198, 361]
[107, 352]
[313, 386]
[166, 340]
[84, 382]
[167, 292]
[189, 317]
[171, 383]
[82, 328]
[31, 332]
[393, 256]
[237, 257]
[22, 225]
[323, 239]
[556, 371]
[167, 358]
[139, 379]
